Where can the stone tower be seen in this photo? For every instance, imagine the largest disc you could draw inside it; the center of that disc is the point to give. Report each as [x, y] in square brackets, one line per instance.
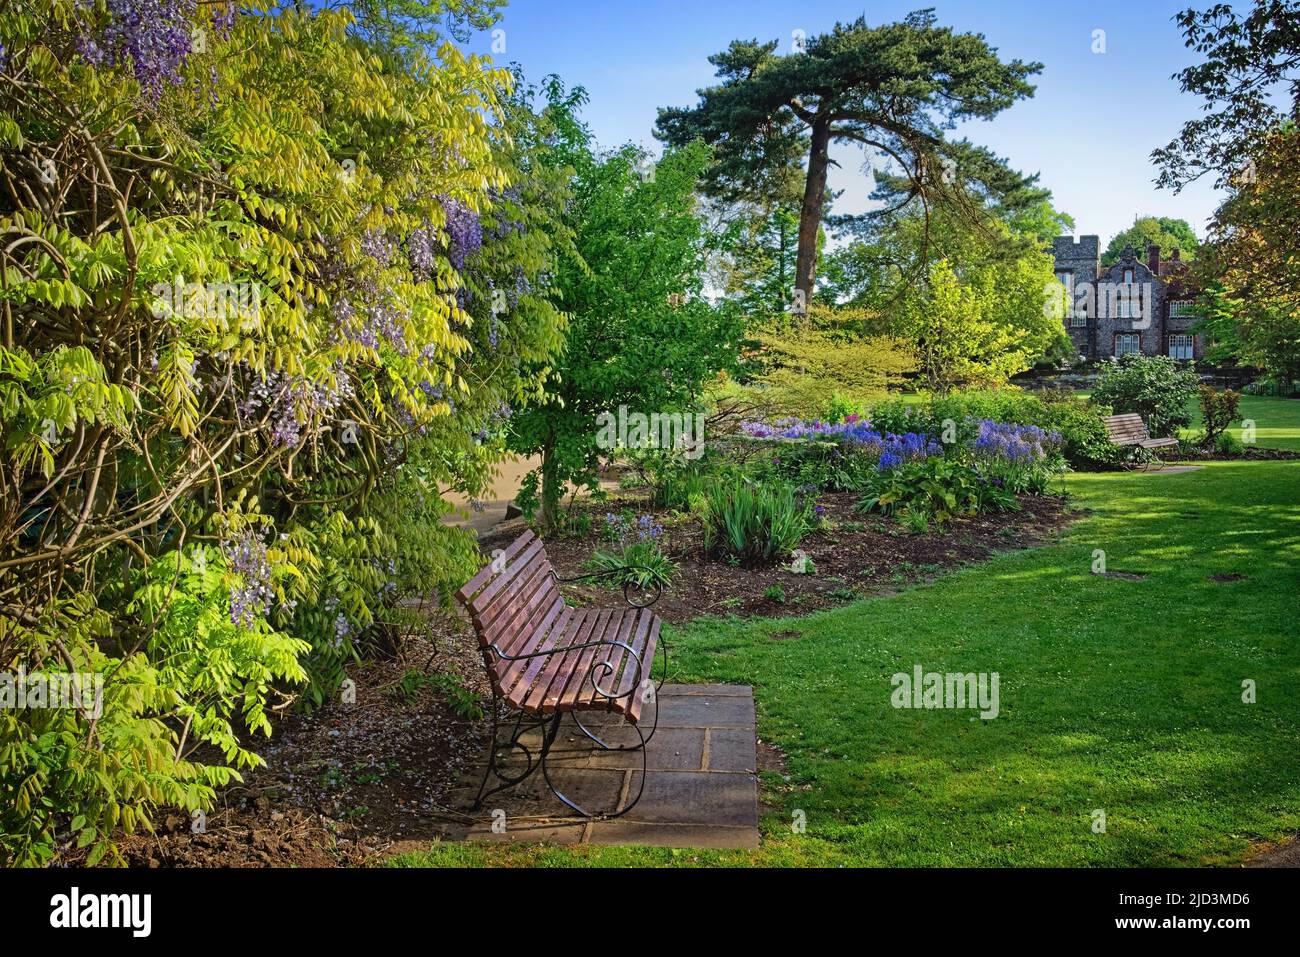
[1078, 262]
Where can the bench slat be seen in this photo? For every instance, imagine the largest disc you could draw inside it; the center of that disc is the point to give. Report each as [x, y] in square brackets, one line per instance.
[648, 657]
[533, 554]
[559, 668]
[629, 675]
[514, 596]
[610, 681]
[573, 685]
[519, 676]
[468, 590]
[507, 671]
[533, 597]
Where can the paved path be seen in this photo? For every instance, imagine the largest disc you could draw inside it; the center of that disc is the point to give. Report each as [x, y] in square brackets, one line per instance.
[494, 507]
[701, 787]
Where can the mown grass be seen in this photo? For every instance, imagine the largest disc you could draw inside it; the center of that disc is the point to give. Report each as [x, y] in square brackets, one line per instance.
[1276, 421]
[1116, 695]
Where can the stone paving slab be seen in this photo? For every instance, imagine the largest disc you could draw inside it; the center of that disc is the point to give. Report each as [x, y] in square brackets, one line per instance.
[701, 785]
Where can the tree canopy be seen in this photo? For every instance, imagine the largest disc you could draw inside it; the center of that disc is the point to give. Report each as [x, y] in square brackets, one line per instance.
[893, 89]
[640, 332]
[1162, 231]
[1249, 81]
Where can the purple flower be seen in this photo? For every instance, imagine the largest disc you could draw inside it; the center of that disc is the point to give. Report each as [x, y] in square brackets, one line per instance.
[152, 35]
[421, 249]
[853, 432]
[246, 557]
[464, 232]
[647, 528]
[377, 246]
[1014, 443]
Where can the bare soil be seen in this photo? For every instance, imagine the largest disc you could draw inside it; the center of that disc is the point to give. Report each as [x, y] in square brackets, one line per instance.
[854, 556]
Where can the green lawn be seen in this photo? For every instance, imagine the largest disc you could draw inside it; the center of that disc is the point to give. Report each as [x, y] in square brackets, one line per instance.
[1116, 695]
[1277, 421]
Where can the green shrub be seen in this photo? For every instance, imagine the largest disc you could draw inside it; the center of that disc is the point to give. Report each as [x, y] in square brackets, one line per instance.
[753, 523]
[841, 407]
[672, 480]
[1218, 411]
[1228, 444]
[1085, 442]
[1155, 387]
[836, 466]
[1000, 405]
[901, 417]
[939, 488]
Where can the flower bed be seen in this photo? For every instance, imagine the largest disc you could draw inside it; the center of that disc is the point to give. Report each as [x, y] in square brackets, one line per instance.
[1013, 443]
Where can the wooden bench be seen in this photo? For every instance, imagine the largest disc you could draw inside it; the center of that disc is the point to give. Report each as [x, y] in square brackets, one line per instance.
[545, 659]
[1130, 431]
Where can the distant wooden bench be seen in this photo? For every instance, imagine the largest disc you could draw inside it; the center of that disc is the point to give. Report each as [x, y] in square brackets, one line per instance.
[1130, 431]
[545, 659]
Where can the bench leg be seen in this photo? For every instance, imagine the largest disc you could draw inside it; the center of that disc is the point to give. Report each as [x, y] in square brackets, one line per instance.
[608, 815]
[523, 724]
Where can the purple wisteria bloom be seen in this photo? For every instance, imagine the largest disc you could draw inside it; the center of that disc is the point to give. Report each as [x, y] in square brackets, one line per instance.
[246, 557]
[152, 35]
[377, 246]
[464, 232]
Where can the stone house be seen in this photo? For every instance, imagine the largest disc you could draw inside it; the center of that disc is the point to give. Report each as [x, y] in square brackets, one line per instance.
[1135, 306]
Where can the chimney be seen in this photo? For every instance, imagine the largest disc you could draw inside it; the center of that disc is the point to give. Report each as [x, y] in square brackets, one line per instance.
[1176, 254]
[1153, 259]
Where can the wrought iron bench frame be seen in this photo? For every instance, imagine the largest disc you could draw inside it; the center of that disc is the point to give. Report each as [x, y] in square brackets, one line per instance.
[548, 724]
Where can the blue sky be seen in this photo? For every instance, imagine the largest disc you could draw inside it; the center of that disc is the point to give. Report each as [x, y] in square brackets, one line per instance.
[1088, 131]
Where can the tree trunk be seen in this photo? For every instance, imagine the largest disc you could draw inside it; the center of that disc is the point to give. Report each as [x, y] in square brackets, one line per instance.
[810, 214]
[550, 486]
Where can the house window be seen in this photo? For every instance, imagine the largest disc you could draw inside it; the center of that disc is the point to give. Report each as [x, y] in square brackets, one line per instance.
[1078, 319]
[1181, 308]
[1128, 277]
[1181, 346]
[1129, 304]
[1127, 344]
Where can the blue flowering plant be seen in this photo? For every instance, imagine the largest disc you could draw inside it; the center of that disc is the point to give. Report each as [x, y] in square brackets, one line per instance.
[838, 455]
[1020, 458]
[636, 555]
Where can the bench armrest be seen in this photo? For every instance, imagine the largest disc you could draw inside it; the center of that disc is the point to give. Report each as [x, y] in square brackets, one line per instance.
[601, 664]
[656, 590]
